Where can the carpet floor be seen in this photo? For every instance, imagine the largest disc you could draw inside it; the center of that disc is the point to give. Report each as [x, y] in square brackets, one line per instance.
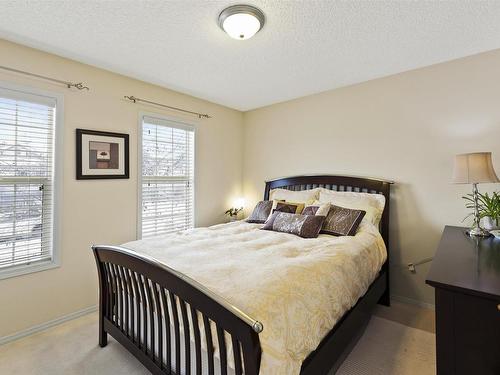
[390, 348]
[386, 348]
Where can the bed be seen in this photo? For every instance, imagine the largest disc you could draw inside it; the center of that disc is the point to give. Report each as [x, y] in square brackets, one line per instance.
[174, 312]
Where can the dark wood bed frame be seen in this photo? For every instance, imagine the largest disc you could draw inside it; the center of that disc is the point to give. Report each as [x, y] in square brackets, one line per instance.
[137, 296]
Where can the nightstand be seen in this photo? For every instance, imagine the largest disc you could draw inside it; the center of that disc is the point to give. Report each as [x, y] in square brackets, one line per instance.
[465, 273]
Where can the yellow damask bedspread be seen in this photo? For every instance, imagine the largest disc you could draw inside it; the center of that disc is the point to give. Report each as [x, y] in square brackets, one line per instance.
[298, 288]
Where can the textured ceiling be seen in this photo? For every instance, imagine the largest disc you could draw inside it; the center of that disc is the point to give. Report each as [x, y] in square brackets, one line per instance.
[305, 47]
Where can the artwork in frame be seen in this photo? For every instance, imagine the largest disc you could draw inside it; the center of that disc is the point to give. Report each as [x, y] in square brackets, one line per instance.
[101, 155]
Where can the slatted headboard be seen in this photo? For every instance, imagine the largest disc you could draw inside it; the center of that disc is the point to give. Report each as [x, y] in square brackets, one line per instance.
[341, 183]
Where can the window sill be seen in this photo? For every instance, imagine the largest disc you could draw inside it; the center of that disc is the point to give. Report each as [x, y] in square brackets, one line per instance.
[28, 268]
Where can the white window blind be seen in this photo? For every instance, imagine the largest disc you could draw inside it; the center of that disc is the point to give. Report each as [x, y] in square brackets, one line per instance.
[167, 192]
[27, 127]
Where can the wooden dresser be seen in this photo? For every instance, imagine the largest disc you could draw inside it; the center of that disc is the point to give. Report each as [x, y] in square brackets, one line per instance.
[466, 276]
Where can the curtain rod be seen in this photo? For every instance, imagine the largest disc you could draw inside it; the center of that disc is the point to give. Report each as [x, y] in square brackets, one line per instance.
[135, 100]
[79, 85]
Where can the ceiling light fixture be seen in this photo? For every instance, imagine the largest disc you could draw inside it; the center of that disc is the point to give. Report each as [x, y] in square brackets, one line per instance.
[241, 21]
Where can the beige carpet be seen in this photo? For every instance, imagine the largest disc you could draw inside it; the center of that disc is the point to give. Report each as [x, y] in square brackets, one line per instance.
[387, 348]
[390, 348]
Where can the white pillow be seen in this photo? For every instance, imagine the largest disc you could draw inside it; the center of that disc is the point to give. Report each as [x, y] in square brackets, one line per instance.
[373, 204]
[303, 196]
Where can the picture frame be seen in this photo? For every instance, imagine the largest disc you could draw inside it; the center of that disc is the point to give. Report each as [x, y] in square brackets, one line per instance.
[101, 155]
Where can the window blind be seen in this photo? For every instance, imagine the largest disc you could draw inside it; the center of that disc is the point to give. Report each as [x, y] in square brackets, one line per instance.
[167, 193]
[27, 126]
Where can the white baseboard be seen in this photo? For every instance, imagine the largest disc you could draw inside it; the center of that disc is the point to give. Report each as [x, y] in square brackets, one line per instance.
[46, 325]
[413, 302]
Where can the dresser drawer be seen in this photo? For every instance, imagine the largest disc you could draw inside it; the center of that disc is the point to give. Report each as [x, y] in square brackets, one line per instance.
[477, 335]
[468, 334]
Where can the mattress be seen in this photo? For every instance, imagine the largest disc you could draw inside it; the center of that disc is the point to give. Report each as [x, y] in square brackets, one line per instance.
[298, 288]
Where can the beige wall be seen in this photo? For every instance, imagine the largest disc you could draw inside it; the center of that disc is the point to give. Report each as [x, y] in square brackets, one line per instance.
[406, 128]
[36, 298]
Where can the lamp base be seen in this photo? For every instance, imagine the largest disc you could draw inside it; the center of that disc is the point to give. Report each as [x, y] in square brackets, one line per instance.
[478, 232]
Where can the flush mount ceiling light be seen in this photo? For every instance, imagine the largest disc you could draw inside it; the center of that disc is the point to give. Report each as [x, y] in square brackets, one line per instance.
[241, 21]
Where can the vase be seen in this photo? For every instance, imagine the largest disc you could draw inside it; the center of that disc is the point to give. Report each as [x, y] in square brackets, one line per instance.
[233, 218]
[489, 223]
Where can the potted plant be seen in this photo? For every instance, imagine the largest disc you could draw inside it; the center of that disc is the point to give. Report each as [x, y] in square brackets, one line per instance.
[233, 213]
[489, 209]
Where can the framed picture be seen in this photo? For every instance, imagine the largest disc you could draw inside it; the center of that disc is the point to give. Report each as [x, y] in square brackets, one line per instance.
[101, 155]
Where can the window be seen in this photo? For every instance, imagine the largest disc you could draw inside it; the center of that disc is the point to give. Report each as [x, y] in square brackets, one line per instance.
[167, 185]
[27, 180]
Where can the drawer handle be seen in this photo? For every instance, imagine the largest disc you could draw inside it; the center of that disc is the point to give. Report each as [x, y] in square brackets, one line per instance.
[498, 307]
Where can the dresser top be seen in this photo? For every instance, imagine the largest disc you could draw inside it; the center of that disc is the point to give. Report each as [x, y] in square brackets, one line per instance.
[465, 263]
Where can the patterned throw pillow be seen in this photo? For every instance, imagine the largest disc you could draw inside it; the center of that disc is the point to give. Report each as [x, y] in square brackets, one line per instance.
[310, 210]
[260, 212]
[305, 226]
[318, 209]
[342, 221]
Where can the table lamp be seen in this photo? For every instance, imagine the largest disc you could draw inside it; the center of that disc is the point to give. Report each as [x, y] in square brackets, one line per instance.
[474, 168]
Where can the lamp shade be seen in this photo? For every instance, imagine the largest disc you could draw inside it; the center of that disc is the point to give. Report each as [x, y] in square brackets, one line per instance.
[474, 168]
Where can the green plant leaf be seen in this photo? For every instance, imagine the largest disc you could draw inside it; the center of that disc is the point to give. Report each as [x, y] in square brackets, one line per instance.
[488, 205]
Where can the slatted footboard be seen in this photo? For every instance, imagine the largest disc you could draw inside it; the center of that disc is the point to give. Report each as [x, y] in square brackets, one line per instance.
[172, 324]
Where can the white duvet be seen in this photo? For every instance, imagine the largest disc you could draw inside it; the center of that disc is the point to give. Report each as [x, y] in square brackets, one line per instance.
[298, 288]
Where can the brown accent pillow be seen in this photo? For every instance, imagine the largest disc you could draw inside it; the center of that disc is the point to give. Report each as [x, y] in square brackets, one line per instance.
[289, 207]
[261, 212]
[305, 226]
[342, 221]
